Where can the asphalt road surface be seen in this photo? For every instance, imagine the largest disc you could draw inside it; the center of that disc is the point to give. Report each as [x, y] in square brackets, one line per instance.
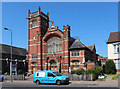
[31, 84]
[73, 84]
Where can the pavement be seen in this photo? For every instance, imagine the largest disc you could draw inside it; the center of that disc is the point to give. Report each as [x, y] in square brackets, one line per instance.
[29, 83]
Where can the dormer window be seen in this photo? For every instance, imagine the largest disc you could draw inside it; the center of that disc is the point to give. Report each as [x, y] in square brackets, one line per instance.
[34, 23]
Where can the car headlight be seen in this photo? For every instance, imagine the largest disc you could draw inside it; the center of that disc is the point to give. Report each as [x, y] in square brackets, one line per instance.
[64, 78]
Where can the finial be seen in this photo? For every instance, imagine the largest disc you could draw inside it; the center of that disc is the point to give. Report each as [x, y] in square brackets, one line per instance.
[39, 7]
[78, 38]
[52, 22]
[48, 14]
[29, 11]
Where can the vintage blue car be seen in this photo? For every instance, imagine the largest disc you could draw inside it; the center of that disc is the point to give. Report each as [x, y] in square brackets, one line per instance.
[49, 76]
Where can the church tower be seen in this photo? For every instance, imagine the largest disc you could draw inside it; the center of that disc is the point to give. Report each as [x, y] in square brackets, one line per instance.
[38, 25]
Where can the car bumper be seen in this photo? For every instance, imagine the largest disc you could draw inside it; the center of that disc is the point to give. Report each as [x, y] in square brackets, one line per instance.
[65, 81]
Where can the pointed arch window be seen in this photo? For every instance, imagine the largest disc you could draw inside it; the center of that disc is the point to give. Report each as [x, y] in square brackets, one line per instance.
[54, 44]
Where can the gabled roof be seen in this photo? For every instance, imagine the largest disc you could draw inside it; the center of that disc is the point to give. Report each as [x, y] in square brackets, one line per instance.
[77, 44]
[114, 37]
[15, 50]
[91, 47]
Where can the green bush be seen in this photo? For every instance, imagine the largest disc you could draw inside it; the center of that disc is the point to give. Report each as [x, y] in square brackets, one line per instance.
[98, 70]
[72, 71]
[89, 71]
[95, 72]
[110, 67]
[79, 71]
[94, 76]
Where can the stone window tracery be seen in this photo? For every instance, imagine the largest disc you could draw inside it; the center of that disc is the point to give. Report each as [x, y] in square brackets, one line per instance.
[54, 45]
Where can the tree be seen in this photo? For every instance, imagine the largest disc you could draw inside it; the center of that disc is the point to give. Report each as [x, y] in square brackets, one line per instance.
[100, 56]
[110, 67]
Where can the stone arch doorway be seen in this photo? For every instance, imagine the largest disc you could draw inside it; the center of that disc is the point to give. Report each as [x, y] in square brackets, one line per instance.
[75, 64]
[53, 65]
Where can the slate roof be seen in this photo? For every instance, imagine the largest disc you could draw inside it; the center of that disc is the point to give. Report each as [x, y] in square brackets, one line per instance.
[77, 44]
[15, 50]
[114, 37]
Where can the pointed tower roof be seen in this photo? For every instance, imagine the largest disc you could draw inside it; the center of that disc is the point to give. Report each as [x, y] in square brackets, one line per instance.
[77, 44]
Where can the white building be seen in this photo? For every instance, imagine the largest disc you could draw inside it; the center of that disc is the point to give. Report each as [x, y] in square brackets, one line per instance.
[114, 48]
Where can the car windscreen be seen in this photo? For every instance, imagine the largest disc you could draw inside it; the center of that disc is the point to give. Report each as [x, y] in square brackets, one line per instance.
[58, 74]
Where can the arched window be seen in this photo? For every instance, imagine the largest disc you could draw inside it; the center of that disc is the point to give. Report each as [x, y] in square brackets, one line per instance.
[34, 23]
[72, 54]
[75, 53]
[54, 44]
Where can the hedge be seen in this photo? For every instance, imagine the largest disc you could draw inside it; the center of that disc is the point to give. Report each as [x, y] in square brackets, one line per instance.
[95, 71]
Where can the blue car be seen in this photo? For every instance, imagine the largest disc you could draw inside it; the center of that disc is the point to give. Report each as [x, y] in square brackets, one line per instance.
[49, 76]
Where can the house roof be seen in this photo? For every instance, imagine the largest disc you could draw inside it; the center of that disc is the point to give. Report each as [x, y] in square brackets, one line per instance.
[77, 44]
[15, 50]
[91, 47]
[103, 58]
[114, 37]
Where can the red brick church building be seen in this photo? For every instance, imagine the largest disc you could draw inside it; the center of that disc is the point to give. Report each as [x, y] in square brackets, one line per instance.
[52, 49]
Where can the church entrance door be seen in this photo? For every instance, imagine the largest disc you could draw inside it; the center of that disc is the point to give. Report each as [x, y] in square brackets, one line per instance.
[53, 65]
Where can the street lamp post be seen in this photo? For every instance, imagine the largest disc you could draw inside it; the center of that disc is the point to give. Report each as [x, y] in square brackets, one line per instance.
[11, 54]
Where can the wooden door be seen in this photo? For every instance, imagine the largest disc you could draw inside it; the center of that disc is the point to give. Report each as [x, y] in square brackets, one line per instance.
[54, 67]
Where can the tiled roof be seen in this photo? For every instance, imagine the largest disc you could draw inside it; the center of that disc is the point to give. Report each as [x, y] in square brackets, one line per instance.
[15, 50]
[91, 47]
[77, 44]
[114, 37]
[103, 58]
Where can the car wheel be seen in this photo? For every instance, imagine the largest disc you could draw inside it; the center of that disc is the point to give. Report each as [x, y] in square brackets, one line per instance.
[58, 82]
[37, 82]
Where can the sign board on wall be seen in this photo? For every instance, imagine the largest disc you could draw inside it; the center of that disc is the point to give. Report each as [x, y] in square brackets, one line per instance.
[69, 69]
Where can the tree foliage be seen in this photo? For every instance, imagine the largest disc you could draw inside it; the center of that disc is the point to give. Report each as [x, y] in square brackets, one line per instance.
[110, 67]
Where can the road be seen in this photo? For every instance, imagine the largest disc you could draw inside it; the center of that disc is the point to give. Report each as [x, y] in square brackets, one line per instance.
[31, 84]
[28, 83]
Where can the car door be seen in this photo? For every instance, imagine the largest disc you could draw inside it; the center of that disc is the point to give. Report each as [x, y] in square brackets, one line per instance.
[50, 78]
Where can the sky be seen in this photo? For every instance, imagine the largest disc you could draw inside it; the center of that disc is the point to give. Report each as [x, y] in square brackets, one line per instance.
[92, 22]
